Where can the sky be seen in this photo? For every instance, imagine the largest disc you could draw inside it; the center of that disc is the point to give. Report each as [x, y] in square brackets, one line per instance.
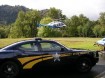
[90, 8]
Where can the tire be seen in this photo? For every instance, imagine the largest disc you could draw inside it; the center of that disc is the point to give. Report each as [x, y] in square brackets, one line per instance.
[84, 65]
[9, 69]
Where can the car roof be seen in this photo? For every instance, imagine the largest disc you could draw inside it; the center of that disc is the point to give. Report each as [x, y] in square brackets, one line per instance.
[31, 40]
[25, 41]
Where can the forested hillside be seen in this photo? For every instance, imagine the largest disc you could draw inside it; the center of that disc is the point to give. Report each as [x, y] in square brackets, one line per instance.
[8, 14]
[21, 22]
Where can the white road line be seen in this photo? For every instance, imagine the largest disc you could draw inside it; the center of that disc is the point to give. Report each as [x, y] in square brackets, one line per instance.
[101, 75]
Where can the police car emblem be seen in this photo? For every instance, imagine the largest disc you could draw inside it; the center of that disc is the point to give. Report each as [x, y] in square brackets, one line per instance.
[56, 57]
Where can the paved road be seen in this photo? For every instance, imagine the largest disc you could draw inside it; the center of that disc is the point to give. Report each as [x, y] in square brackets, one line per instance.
[97, 71]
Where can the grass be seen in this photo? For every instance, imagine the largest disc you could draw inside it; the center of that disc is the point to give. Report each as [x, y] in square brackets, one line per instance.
[85, 43]
[5, 42]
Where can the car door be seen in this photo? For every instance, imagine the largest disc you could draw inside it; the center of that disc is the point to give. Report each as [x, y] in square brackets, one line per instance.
[52, 52]
[31, 54]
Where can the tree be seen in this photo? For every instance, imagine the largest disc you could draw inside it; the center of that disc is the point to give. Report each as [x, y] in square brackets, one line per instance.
[33, 19]
[16, 30]
[43, 31]
[26, 24]
[87, 29]
[79, 29]
[96, 30]
[49, 32]
[72, 25]
[102, 19]
[55, 13]
[68, 28]
[99, 29]
[46, 20]
[82, 19]
[2, 33]
[75, 21]
[102, 32]
[4, 30]
[8, 14]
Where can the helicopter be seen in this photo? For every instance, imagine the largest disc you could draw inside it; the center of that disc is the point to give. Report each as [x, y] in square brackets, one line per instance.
[54, 24]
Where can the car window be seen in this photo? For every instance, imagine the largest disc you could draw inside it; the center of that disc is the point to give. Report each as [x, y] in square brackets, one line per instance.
[46, 46]
[28, 47]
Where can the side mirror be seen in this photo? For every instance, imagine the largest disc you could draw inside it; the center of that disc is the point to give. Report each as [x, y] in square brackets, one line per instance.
[62, 49]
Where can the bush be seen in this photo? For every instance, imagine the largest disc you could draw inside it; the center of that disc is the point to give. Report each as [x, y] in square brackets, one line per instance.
[48, 32]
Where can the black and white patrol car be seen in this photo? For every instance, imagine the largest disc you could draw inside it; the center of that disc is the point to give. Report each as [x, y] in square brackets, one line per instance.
[29, 53]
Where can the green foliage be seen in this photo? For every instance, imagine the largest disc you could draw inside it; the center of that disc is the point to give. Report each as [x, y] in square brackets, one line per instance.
[79, 30]
[75, 25]
[87, 30]
[82, 19]
[32, 21]
[102, 18]
[79, 26]
[74, 21]
[96, 30]
[4, 30]
[25, 25]
[49, 32]
[46, 20]
[2, 33]
[55, 13]
[102, 31]
[99, 31]
[28, 20]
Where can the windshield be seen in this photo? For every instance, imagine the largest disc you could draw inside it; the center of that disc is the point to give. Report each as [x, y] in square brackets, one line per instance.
[63, 46]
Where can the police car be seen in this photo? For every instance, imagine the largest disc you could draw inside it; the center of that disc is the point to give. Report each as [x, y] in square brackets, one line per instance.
[29, 53]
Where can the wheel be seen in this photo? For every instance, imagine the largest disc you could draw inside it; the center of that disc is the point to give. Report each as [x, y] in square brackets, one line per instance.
[9, 69]
[84, 65]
